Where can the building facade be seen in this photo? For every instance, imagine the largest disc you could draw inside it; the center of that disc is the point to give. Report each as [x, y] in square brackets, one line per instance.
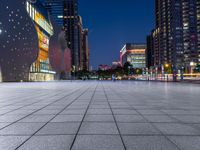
[41, 69]
[65, 13]
[134, 54]
[73, 25]
[176, 36]
[85, 56]
[18, 41]
[149, 52]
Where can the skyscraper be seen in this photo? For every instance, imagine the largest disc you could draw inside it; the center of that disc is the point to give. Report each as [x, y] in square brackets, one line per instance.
[71, 24]
[85, 56]
[177, 33]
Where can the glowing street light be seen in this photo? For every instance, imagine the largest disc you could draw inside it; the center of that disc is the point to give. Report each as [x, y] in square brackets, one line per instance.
[192, 66]
[1, 31]
[167, 65]
[166, 70]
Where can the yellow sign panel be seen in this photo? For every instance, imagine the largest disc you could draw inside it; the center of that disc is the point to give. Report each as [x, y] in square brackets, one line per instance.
[43, 45]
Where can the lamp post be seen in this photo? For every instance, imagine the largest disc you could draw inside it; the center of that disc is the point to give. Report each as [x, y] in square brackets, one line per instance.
[163, 72]
[182, 73]
[174, 71]
[166, 71]
[192, 65]
[156, 72]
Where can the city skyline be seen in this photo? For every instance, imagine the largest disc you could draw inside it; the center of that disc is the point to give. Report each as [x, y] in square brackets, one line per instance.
[99, 75]
[127, 22]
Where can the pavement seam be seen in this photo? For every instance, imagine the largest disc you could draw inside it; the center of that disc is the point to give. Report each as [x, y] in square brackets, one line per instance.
[147, 121]
[73, 142]
[28, 104]
[51, 119]
[122, 140]
[40, 109]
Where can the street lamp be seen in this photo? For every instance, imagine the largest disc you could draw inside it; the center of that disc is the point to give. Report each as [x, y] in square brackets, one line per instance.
[1, 31]
[192, 65]
[167, 65]
[166, 70]
[156, 72]
[182, 73]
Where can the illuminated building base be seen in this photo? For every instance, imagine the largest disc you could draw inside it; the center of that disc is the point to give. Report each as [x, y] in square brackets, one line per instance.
[41, 77]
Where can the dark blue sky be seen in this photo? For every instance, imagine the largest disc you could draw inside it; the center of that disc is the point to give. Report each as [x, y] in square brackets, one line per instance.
[112, 23]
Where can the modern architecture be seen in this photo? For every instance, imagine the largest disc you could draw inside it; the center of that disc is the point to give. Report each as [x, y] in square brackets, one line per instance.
[134, 54]
[176, 38]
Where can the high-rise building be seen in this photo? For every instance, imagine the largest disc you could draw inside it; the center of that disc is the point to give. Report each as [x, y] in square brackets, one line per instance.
[85, 56]
[134, 54]
[149, 52]
[65, 13]
[190, 36]
[72, 23]
[176, 35]
[198, 27]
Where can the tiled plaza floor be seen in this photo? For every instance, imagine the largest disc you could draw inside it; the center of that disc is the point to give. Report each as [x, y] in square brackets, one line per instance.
[99, 116]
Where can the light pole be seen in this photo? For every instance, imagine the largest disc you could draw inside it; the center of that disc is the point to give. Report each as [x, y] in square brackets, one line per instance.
[182, 72]
[166, 71]
[192, 65]
[163, 72]
[156, 72]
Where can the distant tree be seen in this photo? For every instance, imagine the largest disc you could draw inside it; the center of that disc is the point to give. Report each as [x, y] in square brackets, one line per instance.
[83, 74]
[127, 68]
[63, 75]
[197, 68]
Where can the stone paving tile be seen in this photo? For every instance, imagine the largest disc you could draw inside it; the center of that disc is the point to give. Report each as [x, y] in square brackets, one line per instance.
[58, 142]
[98, 142]
[137, 129]
[11, 142]
[73, 112]
[37, 118]
[145, 112]
[21, 129]
[68, 118]
[187, 118]
[98, 128]
[59, 128]
[125, 112]
[130, 118]
[159, 118]
[47, 112]
[99, 107]
[99, 118]
[3, 111]
[151, 112]
[11, 118]
[178, 112]
[177, 129]
[3, 125]
[21, 112]
[99, 112]
[148, 143]
[186, 142]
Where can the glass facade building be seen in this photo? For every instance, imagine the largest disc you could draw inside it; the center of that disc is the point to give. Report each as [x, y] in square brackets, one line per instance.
[41, 70]
[134, 54]
[176, 36]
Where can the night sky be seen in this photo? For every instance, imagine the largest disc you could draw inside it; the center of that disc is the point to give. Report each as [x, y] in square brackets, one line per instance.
[112, 23]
